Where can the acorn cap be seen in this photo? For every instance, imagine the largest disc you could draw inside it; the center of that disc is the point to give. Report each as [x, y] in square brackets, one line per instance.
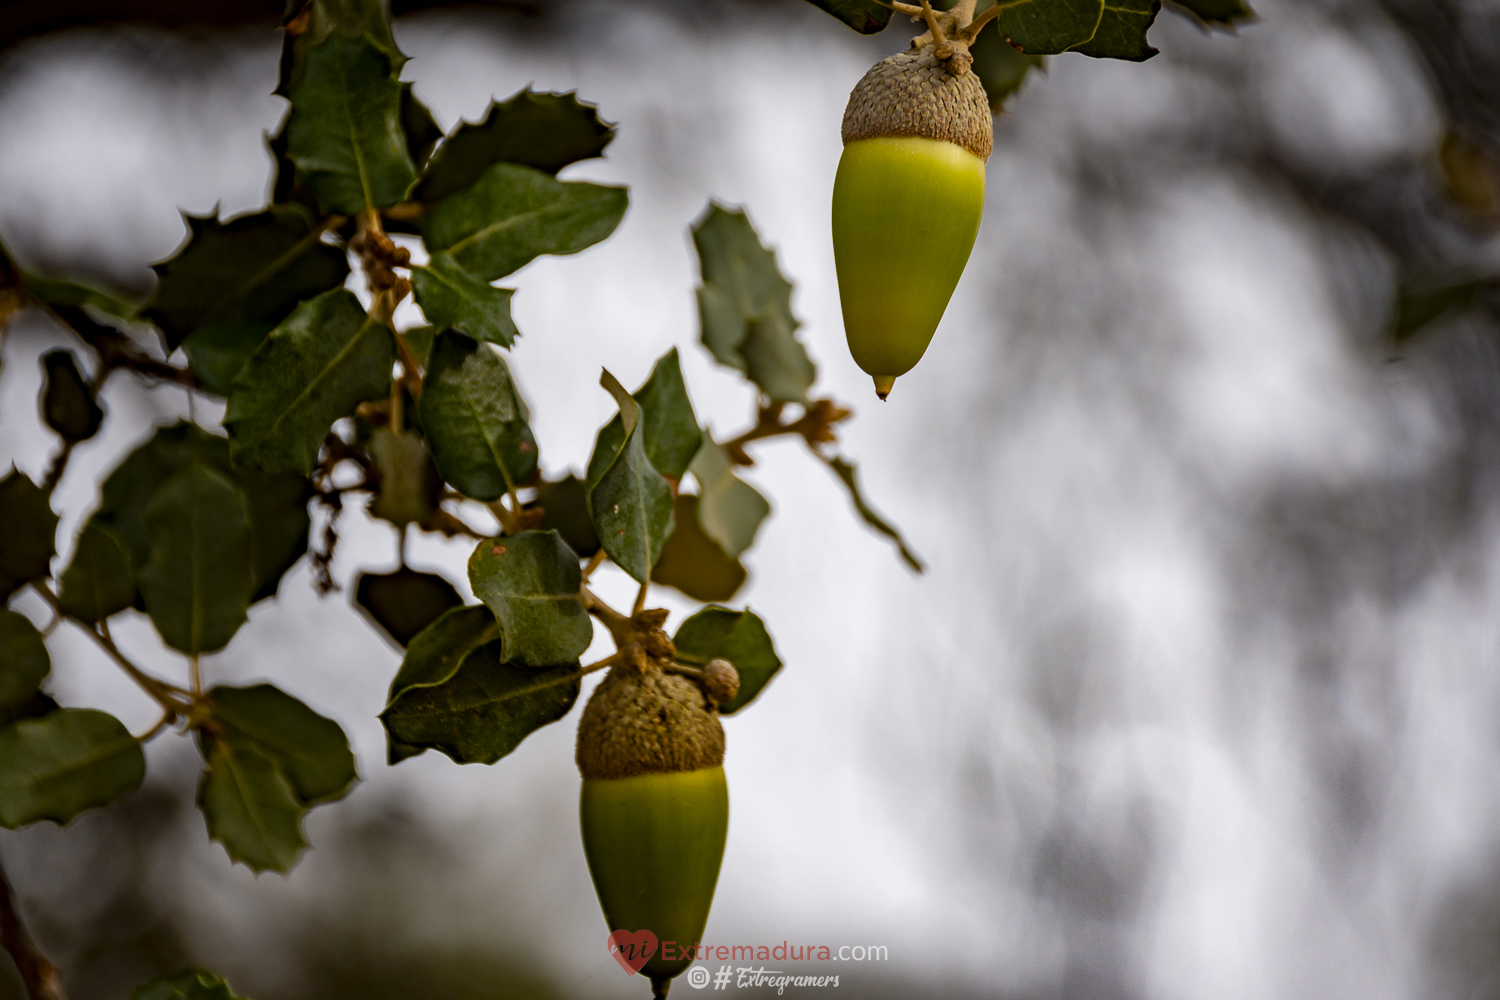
[647, 723]
[913, 94]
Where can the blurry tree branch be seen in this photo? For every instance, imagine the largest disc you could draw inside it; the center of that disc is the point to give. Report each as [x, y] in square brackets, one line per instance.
[38, 974]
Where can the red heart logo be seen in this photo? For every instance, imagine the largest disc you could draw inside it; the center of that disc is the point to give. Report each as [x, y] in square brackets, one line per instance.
[632, 950]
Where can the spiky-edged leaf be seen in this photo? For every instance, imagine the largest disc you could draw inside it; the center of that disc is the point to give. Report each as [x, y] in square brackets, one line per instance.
[544, 131]
[248, 272]
[69, 760]
[1113, 29]
[864, 16]
[310, 749]
[737, 636]
[452, 297]
[672, 435]
[328, 356]
[24, 663]
[512, 214]
[250, 805]
[404, 602]
[630, 501]
[484, 709]
[30, 532]
[98, 581]
[475, 420]
[345, 131]
[531, 582]
[745, 306]
[694, 563]
[730, 509]
[198, 579]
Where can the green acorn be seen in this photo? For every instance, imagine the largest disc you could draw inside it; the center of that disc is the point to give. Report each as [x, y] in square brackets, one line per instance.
[655, 804]
[907, 201]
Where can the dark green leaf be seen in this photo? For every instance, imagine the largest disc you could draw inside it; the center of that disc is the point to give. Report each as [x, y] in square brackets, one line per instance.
[864, 16]
[484, 709]
[345, 132]
[531, 582]
[250, 806]
[131, 485]
[565, 506]
[631, 502]
[419, 342]
[68, 404]
[24, 663]
[217, 351]
[422, 132]
[286, 187]
[57, 292]
[694, 563]
[846, 472]
[197, 582]
[98, 581]
[544, 131]
[30, 532]
[1421, 301]
[475, 420]
[432, 657]
[1001, 67]
[277, 503]
[248, 272]
[451, 296]
[745, 306]
[737, 636]
[512, 214]
[1223, 13]
[409, 483]
[671, 429]
[405, 602]
[1113, 29]
[1122, 31]
[67, 761]
[730, 510]
[435, 652]
[189, 984]
[279, 523]
[327, 357]
[309, 749]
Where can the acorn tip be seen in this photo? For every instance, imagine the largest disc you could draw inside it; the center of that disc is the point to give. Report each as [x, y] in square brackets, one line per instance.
[883, 384]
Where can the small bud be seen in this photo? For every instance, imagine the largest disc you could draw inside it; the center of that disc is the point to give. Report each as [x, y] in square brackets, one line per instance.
[721, 681]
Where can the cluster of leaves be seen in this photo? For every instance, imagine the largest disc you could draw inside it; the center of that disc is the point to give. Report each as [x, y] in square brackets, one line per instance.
[1029, 30]
[324, 398]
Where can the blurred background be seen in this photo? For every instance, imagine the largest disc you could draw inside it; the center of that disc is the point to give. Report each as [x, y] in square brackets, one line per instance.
[1200, 695]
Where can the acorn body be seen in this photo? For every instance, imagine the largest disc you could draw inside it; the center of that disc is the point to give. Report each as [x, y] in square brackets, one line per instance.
[905, 215]
[654, 843]
[654, 808]
[907, 201]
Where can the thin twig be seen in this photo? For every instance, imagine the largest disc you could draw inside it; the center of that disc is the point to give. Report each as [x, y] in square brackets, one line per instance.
[166, 720]
[618, 656]
[164, 693]
[595, 561]
[640, 598]
[39, 975]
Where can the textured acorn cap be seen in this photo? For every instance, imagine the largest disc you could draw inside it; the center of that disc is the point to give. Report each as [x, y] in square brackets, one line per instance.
[913, 94]
[647, 723]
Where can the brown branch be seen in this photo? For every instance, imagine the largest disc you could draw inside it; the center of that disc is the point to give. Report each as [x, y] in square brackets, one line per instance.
[39, 975]
[815, 426]
[164, 693]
